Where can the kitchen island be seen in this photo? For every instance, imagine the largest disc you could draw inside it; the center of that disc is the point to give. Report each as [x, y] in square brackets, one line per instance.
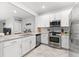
[17, 45]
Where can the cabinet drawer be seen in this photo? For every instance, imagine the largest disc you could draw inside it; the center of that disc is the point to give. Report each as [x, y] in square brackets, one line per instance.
[10, 43]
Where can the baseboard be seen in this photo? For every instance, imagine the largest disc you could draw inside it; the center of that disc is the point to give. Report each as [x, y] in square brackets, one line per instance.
[54, 47]
[64, 48]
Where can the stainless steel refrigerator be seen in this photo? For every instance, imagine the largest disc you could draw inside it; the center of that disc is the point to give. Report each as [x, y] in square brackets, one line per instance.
[74, 32]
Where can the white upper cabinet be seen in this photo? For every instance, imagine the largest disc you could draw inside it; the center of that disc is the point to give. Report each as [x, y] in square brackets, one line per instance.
[44, 20]
[65, 18]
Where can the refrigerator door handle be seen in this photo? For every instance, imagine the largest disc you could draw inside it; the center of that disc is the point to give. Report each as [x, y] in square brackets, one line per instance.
[71, 40]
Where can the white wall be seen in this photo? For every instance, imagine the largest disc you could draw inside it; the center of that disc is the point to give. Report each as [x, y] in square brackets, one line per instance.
[42, 21]
[17, 26]
[13, 24]
[1, 25]
[61, 15]
[9, 23]
[29, 20]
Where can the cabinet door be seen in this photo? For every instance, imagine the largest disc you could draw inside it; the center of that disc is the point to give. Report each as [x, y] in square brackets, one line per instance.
[1, 49]
[44, 38]
[65, 18]
[25, 45]
[33, 42]
[65, 21]
[12, 49]
[65, 42]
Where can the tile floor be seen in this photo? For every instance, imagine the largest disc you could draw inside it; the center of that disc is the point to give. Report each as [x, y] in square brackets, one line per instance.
[46, 51]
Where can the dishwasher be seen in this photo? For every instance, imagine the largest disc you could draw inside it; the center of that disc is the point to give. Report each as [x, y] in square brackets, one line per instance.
[38, 40]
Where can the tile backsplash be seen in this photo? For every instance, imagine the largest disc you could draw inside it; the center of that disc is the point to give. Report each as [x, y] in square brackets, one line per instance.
[48, 29]
[43, 29]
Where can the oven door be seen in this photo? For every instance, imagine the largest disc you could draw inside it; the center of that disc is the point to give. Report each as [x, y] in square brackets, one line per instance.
[55, 41]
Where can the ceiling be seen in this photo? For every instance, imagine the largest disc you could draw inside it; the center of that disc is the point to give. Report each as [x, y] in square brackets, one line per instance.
[49, 6]
[8, 10]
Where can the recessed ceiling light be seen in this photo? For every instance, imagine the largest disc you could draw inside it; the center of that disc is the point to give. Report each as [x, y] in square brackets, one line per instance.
[15, 11]
[43, 6]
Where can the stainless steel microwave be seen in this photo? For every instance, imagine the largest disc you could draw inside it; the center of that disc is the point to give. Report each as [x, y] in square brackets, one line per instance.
[55, 23]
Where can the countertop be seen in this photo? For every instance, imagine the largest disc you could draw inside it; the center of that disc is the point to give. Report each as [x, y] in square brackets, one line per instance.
[14, 36]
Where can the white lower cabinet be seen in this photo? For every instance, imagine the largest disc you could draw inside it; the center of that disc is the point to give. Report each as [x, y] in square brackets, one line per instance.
[44, 38]
[33, 42]
[25, 45]
[17, 47]
[1, 49]
[28, 43]
[65, 41]
[11, 49]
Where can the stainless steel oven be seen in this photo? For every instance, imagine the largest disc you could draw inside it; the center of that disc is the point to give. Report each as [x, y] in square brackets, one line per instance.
[55, 41]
